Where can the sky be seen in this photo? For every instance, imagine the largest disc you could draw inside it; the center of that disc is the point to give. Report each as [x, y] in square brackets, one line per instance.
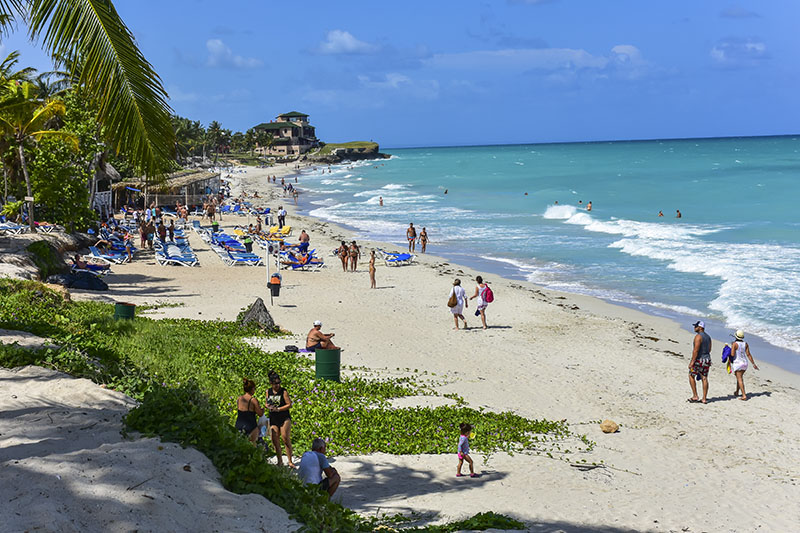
[450, 73]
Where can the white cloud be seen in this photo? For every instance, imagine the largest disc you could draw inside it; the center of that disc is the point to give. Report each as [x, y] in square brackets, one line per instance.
[738, 52]
[519, 59]
[343, 42]
[393, 81]
[177, 95]
[221, 56]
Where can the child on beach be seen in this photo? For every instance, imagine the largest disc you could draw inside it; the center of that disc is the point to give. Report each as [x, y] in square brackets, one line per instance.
[463, 450]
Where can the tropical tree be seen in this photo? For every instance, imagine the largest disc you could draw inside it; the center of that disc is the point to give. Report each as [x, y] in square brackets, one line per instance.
[213, 136]
[129, 97]
[250, 140]
[23, 119]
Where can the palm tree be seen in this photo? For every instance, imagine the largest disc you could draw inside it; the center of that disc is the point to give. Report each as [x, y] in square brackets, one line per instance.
[214, 134]
[129, 95]
[24, 118]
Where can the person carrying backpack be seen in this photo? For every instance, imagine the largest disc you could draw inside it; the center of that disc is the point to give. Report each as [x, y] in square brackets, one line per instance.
[485, 296]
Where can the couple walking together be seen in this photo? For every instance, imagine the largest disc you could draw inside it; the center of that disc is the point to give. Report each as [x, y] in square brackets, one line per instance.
[458, 300]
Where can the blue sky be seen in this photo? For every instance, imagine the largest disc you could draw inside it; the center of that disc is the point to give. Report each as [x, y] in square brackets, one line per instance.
[463, 72]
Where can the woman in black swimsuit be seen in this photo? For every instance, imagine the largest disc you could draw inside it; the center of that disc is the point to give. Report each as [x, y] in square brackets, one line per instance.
[280, 420]
[248, 408]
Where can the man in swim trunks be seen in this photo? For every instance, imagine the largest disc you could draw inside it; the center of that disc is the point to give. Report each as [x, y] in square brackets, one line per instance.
[317, 339]
[411, 235]
[701, 361]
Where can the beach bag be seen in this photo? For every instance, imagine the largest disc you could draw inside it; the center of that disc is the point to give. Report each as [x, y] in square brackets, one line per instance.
[488, 295]
[291, 348]
[726, 354]
[452, 301]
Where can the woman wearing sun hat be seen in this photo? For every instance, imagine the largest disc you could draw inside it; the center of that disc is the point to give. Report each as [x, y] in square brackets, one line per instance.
[742, 353]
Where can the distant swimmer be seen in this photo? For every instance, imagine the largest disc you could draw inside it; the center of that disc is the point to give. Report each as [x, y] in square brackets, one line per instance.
[679, 213]
[526, 194]
[661, 213]
[580, 202]
[556, 202]
[380, 200]
[589, 206]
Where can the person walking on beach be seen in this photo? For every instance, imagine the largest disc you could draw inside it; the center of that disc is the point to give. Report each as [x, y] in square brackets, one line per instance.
[411, 235]
[480, 294]
[247, 409]
[372, 270]
[280, 420]
[423, 239]
[458, 297]
[314, 463]
[741, 350]
[463, 451]
[701, 361]
[316, 339]
[344, 255]
[355, 254]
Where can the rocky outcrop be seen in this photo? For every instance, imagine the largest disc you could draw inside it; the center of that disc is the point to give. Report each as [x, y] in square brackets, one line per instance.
[37, 255]
[346, 152]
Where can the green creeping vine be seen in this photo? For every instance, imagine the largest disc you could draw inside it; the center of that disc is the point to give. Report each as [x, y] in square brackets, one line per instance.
[160, 362]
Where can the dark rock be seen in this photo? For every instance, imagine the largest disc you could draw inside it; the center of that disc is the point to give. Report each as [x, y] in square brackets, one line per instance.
[258, 314]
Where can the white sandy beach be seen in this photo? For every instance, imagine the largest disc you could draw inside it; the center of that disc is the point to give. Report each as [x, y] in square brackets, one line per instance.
[673, 466]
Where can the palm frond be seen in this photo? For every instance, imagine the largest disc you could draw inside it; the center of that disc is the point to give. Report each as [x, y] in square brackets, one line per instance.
[69, 138]
[131, 99]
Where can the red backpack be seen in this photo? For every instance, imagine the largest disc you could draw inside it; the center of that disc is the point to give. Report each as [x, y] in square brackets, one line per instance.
[488, 295]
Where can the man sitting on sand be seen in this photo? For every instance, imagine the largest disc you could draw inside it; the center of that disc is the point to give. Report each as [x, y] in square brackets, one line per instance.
[314, 463]
[317, 339]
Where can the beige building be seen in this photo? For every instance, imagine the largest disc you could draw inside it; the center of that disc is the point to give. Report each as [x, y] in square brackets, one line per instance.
[291, 133]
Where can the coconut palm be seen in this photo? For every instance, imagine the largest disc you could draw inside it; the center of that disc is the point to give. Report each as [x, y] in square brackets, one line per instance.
[130, 98]
[23, 120]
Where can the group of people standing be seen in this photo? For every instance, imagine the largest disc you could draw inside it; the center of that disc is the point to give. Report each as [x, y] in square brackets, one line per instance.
[279, 419]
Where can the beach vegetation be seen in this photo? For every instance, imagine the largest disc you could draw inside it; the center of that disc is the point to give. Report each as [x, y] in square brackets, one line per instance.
[170, 364]
[91, 41]
[328, 148]
[46, 258]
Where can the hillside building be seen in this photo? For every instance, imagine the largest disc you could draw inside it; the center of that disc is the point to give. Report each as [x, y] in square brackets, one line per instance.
[291, 133]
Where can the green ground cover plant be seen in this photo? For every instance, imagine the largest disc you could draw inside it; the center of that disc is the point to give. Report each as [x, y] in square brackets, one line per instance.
[164, 363]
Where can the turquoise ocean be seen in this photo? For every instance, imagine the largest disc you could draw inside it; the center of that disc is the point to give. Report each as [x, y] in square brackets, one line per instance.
[732, 259]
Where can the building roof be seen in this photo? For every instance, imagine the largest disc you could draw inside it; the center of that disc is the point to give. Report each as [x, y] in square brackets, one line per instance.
[275, 125]
[293, 114]
[174, 181]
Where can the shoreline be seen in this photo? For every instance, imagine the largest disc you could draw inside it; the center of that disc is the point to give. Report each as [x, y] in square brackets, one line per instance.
[780, 358]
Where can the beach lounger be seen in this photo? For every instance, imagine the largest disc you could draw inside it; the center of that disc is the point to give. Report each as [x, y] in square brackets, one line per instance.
[110, 258]
[12, 228]
[97, 270]
[242, 259]
[399, 259]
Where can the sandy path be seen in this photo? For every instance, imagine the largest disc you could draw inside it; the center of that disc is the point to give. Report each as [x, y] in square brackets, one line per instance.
[65, 467]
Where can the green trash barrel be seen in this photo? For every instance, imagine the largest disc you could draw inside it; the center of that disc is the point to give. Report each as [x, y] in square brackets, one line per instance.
[124, 311]
[327, 364]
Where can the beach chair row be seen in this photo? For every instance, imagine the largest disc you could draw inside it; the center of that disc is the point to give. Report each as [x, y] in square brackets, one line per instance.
[177, 252]
[232, 252]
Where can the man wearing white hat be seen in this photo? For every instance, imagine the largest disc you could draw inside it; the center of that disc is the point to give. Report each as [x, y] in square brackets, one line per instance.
[317, 339]
[742, 352]
[701, 361]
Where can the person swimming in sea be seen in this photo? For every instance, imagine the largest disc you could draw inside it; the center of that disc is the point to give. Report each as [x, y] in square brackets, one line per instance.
[661, 213]
[679, 213]
[589, 206]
